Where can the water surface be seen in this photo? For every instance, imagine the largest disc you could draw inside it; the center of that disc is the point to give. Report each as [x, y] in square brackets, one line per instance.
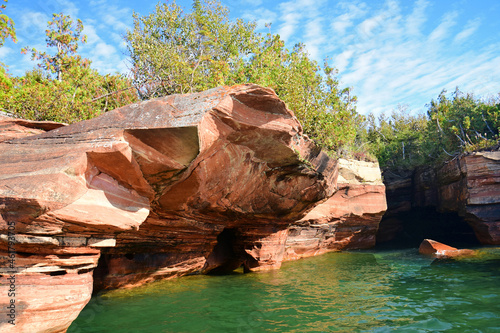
[393, 290]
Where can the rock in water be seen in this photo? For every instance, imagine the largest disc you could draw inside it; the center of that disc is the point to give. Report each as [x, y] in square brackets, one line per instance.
[198, 183]
[443, 251]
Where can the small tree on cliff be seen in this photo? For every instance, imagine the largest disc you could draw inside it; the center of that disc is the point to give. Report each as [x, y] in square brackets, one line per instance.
[173, 52]
[78, 92]
[64, 36]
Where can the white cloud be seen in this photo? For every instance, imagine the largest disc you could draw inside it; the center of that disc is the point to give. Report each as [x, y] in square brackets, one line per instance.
[417, 18]
[443, 29]
[468, 30]
[314, 37]
[343, 60]
[391, 56]
[341, 23]
[350, 12]
[104, 50]
[90, 32]
[5, 51]
[113, 19]
[31, 26]
[288, 27]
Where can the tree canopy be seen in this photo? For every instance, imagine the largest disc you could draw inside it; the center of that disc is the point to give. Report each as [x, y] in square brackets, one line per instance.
[453, 125]
[76, 93]
[177, 52]
[65, 36]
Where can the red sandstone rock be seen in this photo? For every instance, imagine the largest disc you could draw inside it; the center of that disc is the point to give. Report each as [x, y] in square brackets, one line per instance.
[347, 220]
[163, 188]
[468, 185]
[13, 128]
[440, 250]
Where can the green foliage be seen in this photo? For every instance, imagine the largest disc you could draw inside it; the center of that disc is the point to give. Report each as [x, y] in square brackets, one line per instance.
[63, 35]
[7, 29]
[5, 82]
[463, 123]
[173, 52]
[452, 126]
[326, 112]
[399, 139]
[77, 93]
[84, 94]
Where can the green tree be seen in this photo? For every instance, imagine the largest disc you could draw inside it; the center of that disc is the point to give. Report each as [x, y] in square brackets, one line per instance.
[173, 52]
[453, 125]
[7, 28]
[398, 140]
[78, 92]
[64, 36]
[177, 52]
[83, 95]
[463, 122]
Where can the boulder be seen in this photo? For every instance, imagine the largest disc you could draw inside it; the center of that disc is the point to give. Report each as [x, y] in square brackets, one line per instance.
[443, 251]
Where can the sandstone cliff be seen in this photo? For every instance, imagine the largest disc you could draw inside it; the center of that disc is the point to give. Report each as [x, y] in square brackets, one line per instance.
[200, 183]
[467, 186]
[347, 220]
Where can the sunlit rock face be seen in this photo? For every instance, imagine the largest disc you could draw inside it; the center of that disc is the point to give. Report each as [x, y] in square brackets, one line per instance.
[182, 184]
[467, 187]
[349, 219]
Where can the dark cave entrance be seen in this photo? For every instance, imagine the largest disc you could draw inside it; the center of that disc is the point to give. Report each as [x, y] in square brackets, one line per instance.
[228, 254]
[409, 229]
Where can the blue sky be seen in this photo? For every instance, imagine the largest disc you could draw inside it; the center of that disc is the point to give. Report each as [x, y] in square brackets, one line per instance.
[389, 51]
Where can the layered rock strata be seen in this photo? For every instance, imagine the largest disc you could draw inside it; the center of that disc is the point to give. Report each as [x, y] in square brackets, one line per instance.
[167, 187]
[468, 186]
[349, 219]
[184, 184]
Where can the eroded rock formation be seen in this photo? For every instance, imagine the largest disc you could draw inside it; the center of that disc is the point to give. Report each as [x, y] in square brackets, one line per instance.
[200, 183]
[467, 186]
[347, 220]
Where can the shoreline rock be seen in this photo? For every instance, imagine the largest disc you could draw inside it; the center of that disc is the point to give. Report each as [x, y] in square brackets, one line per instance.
[183, 184]
[443, 251]
[468, 186]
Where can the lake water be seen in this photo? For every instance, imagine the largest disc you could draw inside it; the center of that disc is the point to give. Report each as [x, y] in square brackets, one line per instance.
[375, 291]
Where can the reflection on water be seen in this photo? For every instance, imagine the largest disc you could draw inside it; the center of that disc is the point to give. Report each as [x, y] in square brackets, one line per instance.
[338, 292]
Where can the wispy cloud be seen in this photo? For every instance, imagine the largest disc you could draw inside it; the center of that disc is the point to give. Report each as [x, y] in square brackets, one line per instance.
[468, 30]
[392, 52]
[416, 20]
[443, 29]
[5, 51]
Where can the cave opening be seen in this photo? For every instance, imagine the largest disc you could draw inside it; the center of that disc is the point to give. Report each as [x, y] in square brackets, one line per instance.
[228, 254]
[409, 229]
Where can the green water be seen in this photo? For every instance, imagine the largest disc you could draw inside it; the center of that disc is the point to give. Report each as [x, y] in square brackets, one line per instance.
[386, 291]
